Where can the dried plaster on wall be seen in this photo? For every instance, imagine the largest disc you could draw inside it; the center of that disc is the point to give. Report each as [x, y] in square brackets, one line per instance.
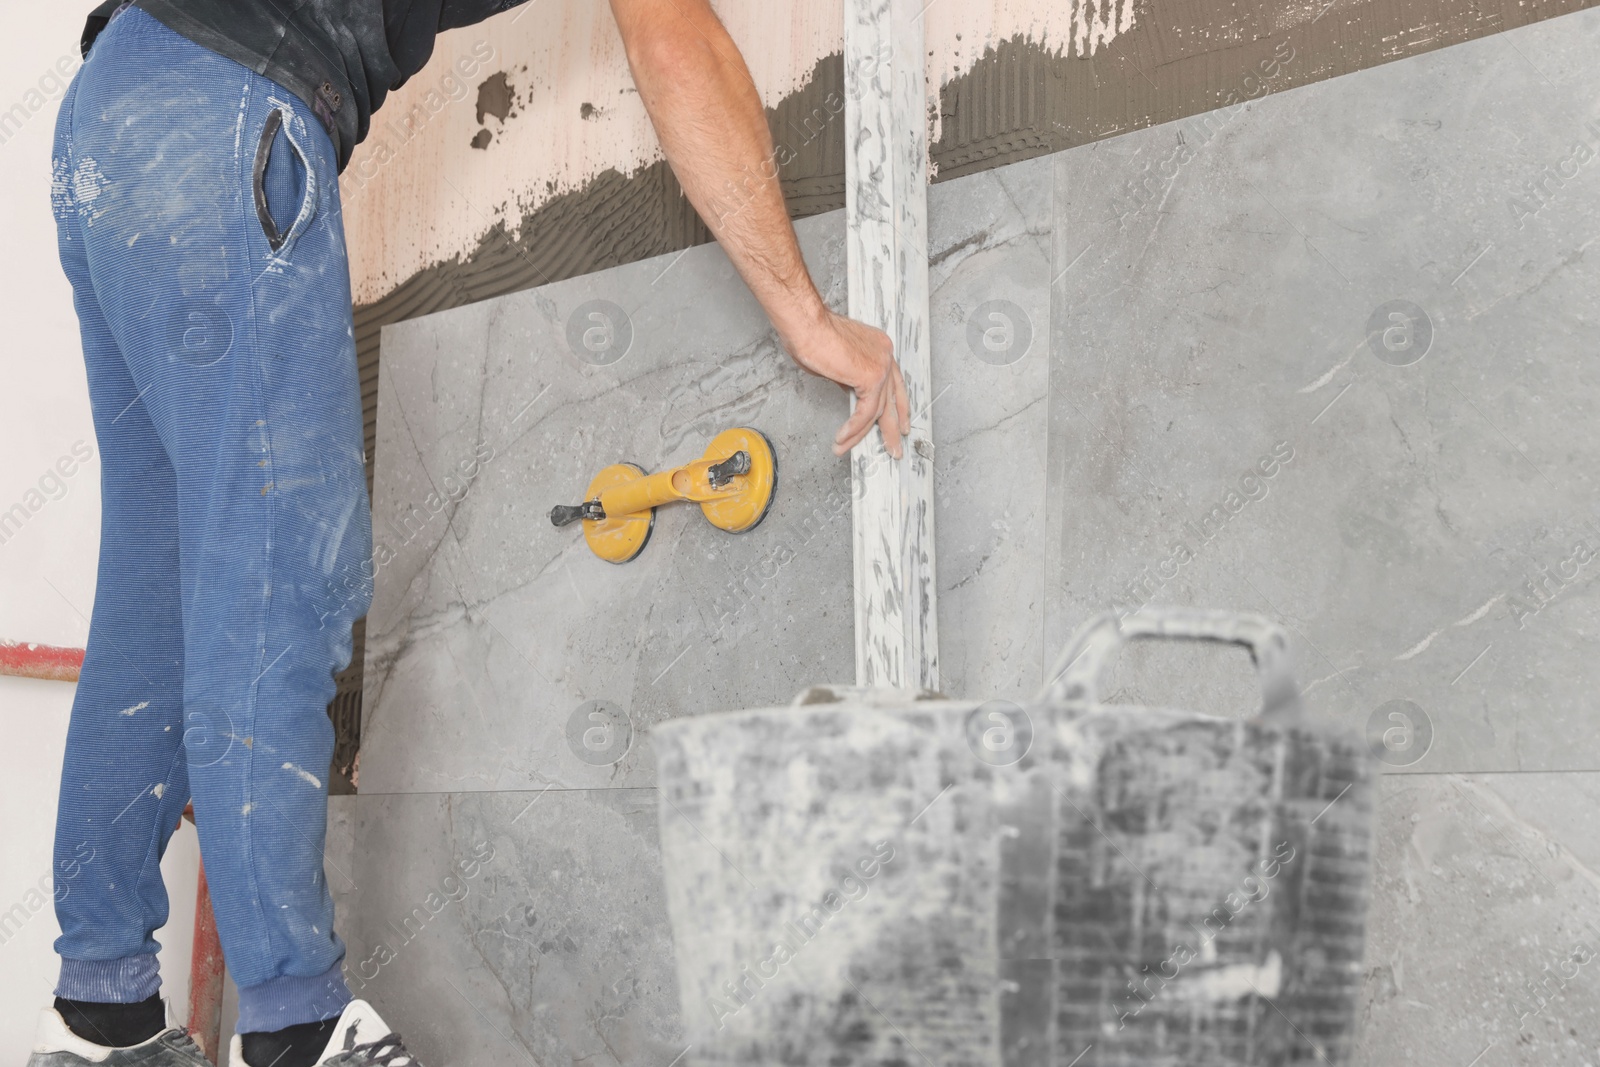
[544, 95]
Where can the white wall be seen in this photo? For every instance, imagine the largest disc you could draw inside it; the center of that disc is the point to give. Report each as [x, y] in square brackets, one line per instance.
[47, 569]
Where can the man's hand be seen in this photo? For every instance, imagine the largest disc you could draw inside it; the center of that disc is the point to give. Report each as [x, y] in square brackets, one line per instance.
[698, 91]
[861, 359]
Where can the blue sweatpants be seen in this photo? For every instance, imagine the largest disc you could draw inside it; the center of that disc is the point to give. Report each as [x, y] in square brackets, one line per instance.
[199, 223]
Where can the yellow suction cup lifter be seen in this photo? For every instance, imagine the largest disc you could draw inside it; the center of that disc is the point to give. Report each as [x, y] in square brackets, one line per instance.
[733, 482]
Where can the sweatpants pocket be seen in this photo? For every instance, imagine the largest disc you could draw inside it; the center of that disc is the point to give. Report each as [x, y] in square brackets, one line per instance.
[285, 184]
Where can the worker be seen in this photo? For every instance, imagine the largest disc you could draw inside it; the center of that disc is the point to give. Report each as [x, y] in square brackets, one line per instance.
[197, 207]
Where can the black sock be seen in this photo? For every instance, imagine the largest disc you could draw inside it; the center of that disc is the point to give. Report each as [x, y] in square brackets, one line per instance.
[117, 1025]
[293, 1046]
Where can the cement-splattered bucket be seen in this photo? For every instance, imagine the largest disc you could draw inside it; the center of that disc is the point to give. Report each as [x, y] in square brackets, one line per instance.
[870, 877]
[1211, 875]
[831, 873]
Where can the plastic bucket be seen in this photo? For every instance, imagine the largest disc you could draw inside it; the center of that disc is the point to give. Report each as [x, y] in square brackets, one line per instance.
[832, 872]
[1212, 875]
[882, 877]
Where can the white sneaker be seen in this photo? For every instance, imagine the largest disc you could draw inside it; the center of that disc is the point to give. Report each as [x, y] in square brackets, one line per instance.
[55, 1045]
[360, 1039]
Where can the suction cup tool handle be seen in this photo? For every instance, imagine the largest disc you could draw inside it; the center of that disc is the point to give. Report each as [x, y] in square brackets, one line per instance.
[566, 514]
[720, 474]
[1073, 681]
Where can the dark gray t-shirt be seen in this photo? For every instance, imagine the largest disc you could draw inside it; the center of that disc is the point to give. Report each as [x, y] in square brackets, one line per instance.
[342, 57]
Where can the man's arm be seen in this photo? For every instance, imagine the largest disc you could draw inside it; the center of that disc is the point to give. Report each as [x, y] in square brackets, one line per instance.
[706, 111]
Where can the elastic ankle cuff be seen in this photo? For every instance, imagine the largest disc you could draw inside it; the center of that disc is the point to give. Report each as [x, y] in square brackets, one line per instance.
[289, 1001]
[125, 981]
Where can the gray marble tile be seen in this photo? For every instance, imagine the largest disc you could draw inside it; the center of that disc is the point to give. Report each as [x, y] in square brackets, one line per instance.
[516, 927]
[989, 237]
[490, 627]
[1483, 938]
[339, 852]
[1433, 538]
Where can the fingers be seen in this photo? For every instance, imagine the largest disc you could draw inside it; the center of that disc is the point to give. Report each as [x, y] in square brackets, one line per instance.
[895, 421]
[902, 403]
[889, 407]
[885, 403]
[868, 409]
[888, 424]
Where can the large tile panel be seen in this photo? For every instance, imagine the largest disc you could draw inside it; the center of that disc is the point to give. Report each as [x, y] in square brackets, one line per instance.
[989, 301]
[490, 628]
[1484, 945]
[516, 927]
[1315, 358]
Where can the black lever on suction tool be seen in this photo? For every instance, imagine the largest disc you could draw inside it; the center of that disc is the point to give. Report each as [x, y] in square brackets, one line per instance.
[566, 514]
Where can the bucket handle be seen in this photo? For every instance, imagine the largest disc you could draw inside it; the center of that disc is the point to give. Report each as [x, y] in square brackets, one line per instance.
[1073, 681]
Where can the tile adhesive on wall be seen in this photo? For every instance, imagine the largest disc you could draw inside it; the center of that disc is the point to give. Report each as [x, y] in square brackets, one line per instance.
[522, 155]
